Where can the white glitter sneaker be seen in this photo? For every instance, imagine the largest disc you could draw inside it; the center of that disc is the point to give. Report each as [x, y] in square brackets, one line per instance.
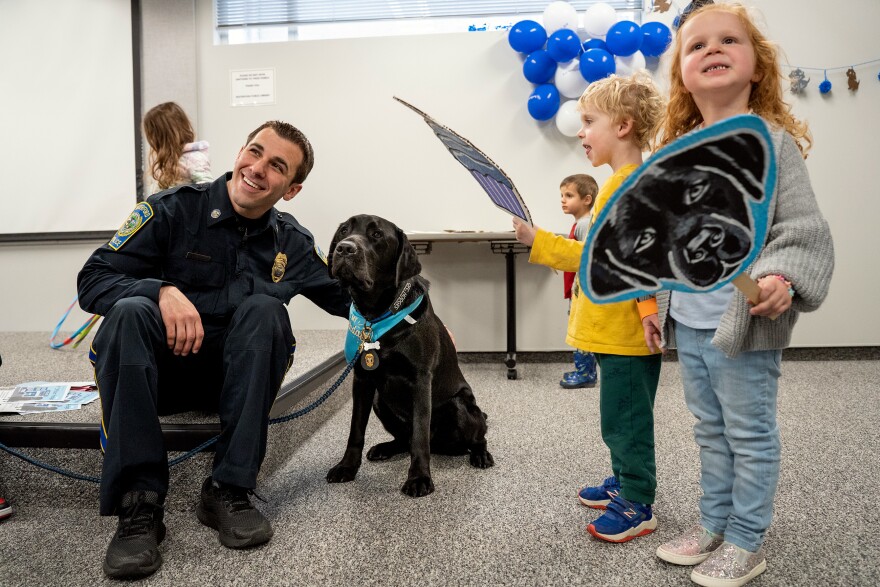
[729, 566]
[691, 548]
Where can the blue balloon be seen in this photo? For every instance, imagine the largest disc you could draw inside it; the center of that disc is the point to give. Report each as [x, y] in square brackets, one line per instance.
[526, 36]
[596, 64]
[656, 37]
[595, 44]
[539, 67]
[624, 38]
[564, 45]
[544, 102]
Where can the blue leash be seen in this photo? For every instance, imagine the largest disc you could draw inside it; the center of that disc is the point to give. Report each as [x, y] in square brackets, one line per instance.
[196, 450]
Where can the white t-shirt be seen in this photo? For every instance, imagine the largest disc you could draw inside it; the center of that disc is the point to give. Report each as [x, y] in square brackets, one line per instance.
[700, 310]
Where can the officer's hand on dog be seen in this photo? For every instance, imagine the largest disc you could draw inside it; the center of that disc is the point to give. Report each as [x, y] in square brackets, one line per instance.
[524, 233]
[183, 325]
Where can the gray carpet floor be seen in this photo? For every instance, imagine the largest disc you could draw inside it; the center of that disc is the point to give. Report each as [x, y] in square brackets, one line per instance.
[518, 523]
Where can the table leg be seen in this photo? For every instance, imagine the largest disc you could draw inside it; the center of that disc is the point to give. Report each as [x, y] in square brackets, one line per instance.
[510, 361]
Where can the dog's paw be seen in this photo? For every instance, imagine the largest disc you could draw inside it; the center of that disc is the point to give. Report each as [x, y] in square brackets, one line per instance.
[341, 474]
[418, 487]
[385, 450]
[482, 459]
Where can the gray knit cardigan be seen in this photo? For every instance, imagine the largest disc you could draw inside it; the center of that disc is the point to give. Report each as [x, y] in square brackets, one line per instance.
[798, 246]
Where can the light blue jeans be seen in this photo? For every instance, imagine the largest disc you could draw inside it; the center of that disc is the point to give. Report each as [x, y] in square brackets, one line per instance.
[734, 401]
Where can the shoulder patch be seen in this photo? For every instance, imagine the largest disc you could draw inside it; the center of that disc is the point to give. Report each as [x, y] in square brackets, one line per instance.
[321, 254]
[142, 214]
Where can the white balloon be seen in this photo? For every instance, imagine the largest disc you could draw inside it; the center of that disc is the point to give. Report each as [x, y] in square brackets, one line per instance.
[568, 119]
[585, 36]
[569, 81]
[560, 15]
[598, 19]
[631, 64]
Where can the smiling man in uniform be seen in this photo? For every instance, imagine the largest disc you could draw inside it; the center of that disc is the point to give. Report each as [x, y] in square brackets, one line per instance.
[193, 289]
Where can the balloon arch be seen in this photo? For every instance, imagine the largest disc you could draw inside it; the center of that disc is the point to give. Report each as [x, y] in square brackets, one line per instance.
[562, 58]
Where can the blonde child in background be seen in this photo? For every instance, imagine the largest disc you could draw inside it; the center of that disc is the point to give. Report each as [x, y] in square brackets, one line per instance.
[729, 351]
[175, 156]
[578, 194]
[620, 116]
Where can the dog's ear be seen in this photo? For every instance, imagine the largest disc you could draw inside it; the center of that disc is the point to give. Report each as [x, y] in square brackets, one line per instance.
[408, 264]
[613, 270]
[333, 244]
[740, 157]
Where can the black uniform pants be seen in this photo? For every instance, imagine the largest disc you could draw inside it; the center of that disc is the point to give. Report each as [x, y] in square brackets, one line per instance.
[237, 374]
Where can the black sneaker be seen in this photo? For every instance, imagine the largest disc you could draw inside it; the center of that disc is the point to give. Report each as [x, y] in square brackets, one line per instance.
[134, 549]
[228, 510]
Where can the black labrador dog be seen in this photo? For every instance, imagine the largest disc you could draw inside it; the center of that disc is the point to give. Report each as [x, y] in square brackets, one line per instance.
[412, 380]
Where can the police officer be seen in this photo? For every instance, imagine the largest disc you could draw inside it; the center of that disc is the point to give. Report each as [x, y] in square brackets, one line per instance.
[193, 289]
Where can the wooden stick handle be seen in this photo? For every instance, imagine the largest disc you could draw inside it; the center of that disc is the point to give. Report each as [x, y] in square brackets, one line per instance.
[748, 286]
[750, 289]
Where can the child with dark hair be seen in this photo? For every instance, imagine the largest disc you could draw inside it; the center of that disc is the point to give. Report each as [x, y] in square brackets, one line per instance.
[578, 193]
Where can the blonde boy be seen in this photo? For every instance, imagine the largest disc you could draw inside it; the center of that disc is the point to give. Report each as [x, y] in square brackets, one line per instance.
[620, 116]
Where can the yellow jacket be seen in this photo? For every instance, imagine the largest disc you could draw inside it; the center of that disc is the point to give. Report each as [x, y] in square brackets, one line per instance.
[614, 329]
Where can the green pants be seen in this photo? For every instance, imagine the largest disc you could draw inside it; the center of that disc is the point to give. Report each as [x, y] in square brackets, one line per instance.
[627, 387]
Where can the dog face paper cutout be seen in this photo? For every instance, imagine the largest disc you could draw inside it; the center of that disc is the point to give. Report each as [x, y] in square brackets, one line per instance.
[690, 218]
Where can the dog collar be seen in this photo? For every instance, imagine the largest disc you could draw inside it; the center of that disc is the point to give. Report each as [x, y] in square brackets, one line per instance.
[364, 334]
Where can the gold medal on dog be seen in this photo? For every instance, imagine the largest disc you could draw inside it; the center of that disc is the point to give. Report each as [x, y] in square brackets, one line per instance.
[370, 360]
[278, 267]
[369, 357]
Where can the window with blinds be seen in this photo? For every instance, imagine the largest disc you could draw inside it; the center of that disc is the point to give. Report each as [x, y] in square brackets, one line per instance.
[250, 21]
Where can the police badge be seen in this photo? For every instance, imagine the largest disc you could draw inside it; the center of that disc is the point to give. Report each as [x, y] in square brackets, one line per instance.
[278, 267]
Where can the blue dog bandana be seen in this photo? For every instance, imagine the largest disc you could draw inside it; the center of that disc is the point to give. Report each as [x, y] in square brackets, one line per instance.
[361, 330]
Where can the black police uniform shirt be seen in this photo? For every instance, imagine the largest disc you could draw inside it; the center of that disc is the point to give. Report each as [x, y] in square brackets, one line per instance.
[191, 237]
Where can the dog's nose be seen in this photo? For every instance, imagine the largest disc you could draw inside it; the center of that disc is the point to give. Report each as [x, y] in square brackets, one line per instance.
[345, 248]
[704, 244]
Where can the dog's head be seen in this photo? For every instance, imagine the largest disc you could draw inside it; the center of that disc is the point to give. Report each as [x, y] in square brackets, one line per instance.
[370, 254]
[686, 219]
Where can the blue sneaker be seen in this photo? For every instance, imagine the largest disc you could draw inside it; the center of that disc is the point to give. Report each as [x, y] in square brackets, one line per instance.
[623, 520]
[599, 497]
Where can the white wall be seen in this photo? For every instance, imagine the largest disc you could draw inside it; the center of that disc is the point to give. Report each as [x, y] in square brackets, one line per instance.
[67, 116]
[374, 155]
[168, 58]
